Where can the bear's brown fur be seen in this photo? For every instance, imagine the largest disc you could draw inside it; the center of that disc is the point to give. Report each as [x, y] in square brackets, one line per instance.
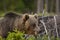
[25, 23]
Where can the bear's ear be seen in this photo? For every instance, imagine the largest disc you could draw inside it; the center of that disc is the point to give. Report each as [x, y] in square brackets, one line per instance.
[36, 16]
[26, 17]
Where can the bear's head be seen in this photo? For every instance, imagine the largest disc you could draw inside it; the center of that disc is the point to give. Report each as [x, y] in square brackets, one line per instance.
[28, 23]
[31, 24]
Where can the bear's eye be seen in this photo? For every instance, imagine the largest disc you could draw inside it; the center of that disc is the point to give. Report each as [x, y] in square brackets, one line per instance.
[34, 25]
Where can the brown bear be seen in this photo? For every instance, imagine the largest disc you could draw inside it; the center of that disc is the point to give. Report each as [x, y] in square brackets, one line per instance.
[25, 23]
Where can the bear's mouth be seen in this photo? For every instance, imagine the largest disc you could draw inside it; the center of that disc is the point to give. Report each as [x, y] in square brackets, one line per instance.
[31, 32]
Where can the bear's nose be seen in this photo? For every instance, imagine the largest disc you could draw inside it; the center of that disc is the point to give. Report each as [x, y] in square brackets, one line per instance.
[34, 25]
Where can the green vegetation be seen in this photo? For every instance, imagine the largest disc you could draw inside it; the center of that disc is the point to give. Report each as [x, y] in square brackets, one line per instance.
[17, 35]
[16, 5]
[25, 5]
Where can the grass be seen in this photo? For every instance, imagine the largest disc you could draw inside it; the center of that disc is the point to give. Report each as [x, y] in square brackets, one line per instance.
[47, 14]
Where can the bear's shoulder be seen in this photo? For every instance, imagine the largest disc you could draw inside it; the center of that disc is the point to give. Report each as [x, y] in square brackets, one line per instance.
[11, 14]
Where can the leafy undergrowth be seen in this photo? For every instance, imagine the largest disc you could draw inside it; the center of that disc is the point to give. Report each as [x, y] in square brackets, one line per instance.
[17, 35]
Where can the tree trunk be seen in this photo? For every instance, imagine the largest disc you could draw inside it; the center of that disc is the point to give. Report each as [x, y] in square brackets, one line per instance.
[40, 6]
[4, 6]
[48, 5]
[35, 4]
[57, 6]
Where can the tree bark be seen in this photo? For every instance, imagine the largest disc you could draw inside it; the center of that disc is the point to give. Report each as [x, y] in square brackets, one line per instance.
[4, 6]
[57, 6]
[40, 6]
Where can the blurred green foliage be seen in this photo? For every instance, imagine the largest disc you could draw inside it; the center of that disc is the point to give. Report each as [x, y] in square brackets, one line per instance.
[17, 35]
[22, 6]
[16, 5]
